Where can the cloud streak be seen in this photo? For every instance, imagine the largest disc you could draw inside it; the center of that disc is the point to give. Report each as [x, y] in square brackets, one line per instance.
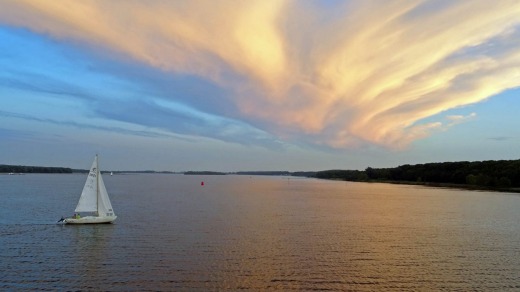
[81, 125]
[360, 72]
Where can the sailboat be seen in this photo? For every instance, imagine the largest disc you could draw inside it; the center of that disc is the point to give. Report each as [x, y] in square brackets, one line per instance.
[94, 200]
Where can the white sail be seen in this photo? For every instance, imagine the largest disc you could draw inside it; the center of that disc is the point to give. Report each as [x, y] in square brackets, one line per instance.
[88, 200]
[104, 205]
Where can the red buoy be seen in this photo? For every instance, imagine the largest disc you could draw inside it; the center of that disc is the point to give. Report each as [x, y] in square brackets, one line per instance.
[201, 183]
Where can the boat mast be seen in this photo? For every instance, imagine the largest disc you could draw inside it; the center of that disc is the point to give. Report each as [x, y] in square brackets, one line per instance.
[97, 185]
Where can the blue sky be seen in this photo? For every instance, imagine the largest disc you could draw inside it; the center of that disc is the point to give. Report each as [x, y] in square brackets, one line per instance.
[205, 88]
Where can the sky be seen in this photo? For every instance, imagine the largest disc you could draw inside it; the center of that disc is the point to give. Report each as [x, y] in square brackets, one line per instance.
[258, 85]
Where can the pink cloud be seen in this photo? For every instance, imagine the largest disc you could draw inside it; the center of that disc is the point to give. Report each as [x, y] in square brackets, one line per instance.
[366, 75]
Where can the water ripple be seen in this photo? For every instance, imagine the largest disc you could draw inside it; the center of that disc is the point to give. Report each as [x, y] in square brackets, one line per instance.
[241, 233]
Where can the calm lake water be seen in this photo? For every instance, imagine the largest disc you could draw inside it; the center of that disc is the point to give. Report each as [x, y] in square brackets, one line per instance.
[257, 233]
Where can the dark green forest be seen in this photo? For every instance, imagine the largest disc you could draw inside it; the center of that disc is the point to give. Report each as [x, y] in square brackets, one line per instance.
[204, 173]
[32, 169]
[486, 174]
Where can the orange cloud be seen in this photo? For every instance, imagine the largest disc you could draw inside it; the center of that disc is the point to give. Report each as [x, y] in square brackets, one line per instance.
[362, 72]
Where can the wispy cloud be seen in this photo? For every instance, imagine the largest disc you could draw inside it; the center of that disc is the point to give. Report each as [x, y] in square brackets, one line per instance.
[143, 99]
[80, 125]
[345, 75]
[457, 119]
[7, 134]
[500, 138]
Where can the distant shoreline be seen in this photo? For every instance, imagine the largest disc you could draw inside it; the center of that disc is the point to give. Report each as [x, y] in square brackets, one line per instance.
[426, 184]
[492, 175]
[448, 186]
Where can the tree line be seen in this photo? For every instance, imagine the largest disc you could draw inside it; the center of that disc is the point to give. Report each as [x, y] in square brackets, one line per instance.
[491, 174]
[486, 174]
[32, 169]
[204, 173]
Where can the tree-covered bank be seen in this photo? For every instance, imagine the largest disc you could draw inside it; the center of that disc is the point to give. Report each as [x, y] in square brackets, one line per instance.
[32, 169]
[499, 174]
[496, 175]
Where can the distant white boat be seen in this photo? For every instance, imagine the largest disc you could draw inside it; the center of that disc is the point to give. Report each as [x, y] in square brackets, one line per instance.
[94, 200]
[111, 173]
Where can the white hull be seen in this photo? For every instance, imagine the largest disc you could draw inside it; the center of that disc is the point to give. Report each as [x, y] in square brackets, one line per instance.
[90, 220]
